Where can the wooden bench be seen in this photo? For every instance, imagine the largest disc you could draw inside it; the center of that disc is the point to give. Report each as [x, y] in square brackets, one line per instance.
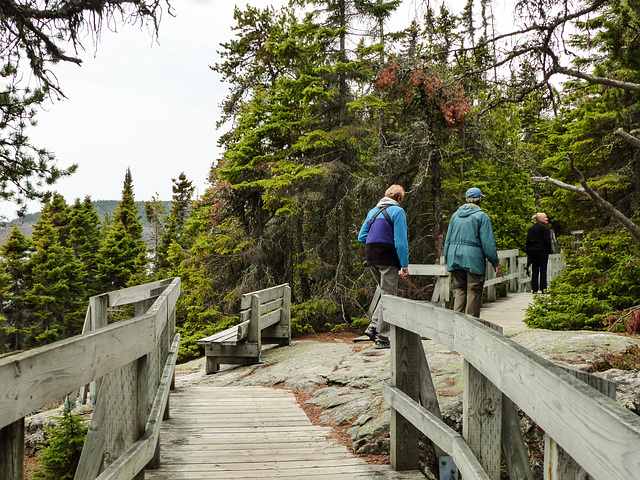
[266, 316]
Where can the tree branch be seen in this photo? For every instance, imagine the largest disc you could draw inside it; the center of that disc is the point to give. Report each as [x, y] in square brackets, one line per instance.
[627, 137]
[631, 227]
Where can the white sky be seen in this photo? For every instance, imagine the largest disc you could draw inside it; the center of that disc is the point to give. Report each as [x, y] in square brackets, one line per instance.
[145, 105]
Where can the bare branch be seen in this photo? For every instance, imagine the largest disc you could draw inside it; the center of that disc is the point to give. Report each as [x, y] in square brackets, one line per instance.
[558, 183]
[627, 137]
[585, 189]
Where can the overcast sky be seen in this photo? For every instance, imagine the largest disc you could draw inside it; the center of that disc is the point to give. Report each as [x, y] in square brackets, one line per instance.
[144, 105]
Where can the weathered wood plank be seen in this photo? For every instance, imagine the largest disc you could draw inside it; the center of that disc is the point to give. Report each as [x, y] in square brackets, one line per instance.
[264, 443]
[501, 279]
[137, 293]
[514, 447]
[266, 320]
[436, 430]
[133, 461]
[12, 450]
[265, 295]
[33, 378]
[405, 351]
[599, 434]
[228, 334]
[428, 269]
[265, 307]
[482, 419]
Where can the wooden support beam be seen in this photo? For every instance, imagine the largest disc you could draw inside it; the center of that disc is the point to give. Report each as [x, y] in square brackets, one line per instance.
[12, 450]
[405, 351]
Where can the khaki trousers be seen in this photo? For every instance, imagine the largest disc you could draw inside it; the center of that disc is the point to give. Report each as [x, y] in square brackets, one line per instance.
[467, 292]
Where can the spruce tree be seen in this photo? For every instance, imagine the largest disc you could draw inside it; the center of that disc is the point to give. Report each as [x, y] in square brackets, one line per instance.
[155, 212]
[122, 257]
[173, 229]
[14, 281]
[85, 238]
[60, 457]
[56, 289]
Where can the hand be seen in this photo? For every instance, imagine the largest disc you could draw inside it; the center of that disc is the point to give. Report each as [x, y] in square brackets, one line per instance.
[497, 270]
[405, 273]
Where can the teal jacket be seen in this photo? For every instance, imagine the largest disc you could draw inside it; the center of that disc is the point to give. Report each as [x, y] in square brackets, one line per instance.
[470, 241]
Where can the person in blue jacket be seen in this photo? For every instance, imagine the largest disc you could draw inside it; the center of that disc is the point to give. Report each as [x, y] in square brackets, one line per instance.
[384, 233]
[469, 243]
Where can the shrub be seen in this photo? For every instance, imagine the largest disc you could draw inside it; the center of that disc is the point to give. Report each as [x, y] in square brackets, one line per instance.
[602, 276]
[60, 457]
[315, 316]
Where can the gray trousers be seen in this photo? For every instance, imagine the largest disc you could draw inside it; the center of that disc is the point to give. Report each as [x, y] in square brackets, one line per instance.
[386, 277]
[467, 292]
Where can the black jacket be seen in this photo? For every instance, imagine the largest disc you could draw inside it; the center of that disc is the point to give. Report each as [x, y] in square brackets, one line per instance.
[538, 238]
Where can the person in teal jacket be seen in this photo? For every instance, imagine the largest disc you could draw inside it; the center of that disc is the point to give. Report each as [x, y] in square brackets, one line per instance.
[469, 243]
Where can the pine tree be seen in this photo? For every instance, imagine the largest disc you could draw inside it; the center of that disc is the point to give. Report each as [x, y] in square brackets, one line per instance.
[122, 257]
[155, 212]
[56, 213]
[56, 289]
[173, 228]
[60, 457]
[14, 282]
[85, 239]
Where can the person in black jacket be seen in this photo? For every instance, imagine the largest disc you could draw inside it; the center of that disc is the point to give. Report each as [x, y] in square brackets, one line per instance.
[538, 250]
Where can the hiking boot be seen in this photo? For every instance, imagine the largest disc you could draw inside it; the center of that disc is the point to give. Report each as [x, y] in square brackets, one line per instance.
[382, 344]
[371, 333]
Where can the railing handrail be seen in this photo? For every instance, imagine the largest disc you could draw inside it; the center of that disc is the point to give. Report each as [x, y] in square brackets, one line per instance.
[593, 429]
[44, 374]
[516, 277]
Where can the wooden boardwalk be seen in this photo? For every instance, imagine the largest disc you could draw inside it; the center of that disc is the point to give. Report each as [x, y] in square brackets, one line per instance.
[229, 433]
[508, 312]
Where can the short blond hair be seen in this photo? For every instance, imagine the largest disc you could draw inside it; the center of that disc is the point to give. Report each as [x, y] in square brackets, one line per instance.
[536, 216]
[395, 192]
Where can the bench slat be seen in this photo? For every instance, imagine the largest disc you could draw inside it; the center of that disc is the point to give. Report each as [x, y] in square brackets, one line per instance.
[229, 333]
[266, 321]
[265, 295]
[264, 308]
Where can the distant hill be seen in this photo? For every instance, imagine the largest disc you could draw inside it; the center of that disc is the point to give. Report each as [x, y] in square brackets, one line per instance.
[103, 207]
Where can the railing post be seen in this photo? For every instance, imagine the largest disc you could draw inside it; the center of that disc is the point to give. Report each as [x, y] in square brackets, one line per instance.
[404, 376]
[99, 317]
[513, 266]
[491, 289]
[482, 419]
[12, 451]
[254, 334]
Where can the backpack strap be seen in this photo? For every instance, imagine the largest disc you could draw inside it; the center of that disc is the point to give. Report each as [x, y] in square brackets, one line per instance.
[383, 211]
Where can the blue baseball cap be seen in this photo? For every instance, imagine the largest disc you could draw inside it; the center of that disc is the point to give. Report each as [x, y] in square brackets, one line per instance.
[474, 193]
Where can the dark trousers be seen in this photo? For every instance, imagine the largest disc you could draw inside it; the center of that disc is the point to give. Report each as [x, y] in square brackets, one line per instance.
[538, 271]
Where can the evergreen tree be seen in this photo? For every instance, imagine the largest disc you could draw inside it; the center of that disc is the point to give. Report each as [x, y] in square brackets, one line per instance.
[55, 213]
[122, 256]
[173, 228]
[60, 457]
[155, 212]
[56, 290]
[14, 281]
[85, 239]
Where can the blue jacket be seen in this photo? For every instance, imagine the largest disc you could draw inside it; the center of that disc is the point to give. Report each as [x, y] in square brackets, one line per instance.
[470, 241]
[384, 244]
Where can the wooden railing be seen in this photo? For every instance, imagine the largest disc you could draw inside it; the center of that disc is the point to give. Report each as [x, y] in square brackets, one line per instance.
[586, 430]
[131, 363]
[515, 278]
